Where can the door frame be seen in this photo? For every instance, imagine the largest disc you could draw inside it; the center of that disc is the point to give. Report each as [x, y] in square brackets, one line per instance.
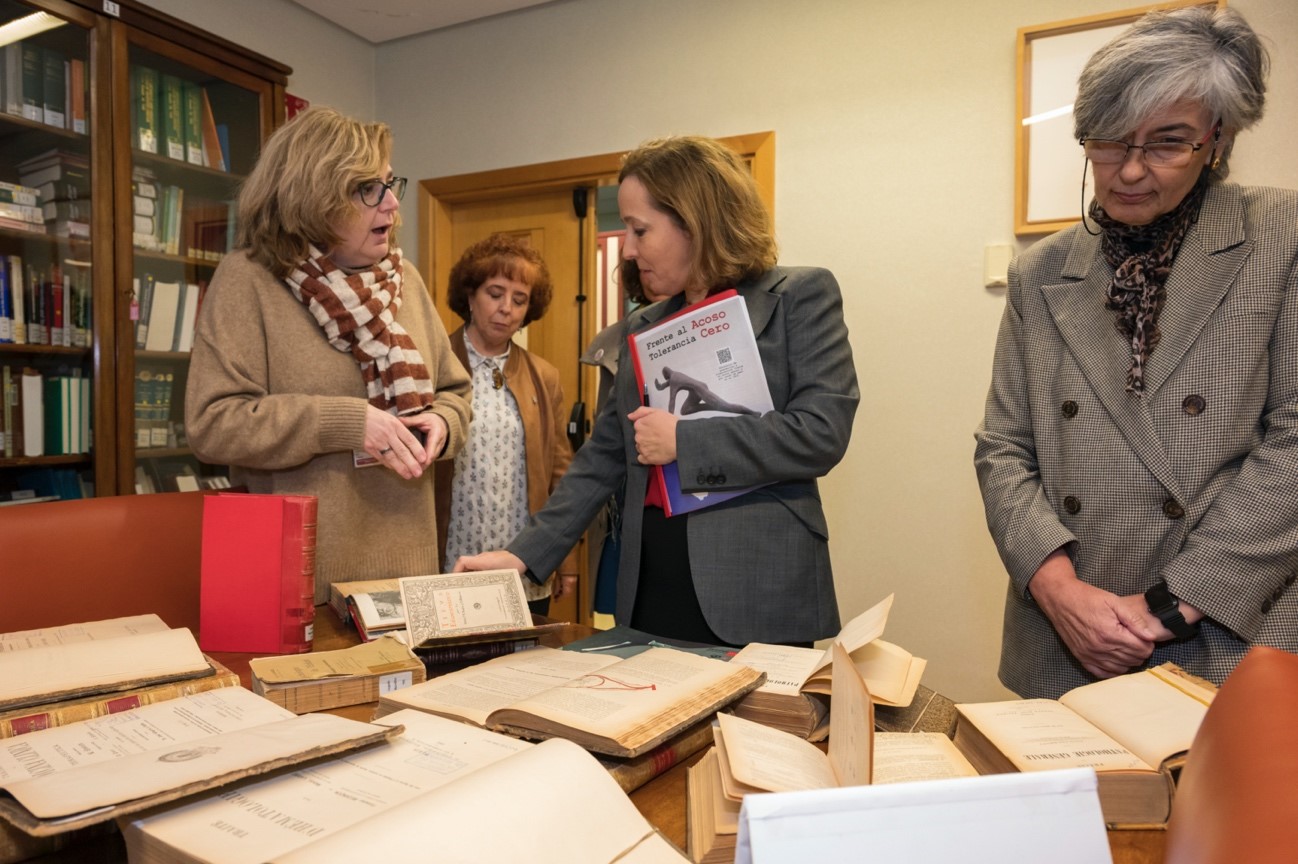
[437, 195]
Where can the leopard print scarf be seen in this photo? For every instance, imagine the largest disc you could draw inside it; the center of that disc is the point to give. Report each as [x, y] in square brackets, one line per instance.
[1142, 256]
[358, 314]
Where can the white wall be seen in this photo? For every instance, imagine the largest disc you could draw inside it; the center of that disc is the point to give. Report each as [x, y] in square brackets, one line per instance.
[894, 168]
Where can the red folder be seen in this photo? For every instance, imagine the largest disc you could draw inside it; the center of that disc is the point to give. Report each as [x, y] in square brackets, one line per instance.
[257, 586]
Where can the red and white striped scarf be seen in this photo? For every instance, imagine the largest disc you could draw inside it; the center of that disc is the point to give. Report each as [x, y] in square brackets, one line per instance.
[358, 314]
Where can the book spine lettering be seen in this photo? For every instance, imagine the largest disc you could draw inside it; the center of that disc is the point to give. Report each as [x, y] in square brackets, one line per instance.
[298, 574]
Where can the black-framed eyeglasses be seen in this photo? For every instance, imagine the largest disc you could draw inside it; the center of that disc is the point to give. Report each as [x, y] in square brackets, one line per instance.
[372, 191]
[1166, 154]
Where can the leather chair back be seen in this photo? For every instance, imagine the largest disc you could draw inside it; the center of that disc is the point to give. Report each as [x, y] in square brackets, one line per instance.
[1237, 800]
[64, 562]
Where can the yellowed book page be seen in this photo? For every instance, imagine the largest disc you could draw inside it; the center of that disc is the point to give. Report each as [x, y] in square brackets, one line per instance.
[725, 812]
[1148, 716]
[787, 667]
[639, 691]
[453, 604]
[54, 669]
[475, 692]
[1199, 689]
[89, 630]
[903, 757]
[368, 658]
[891, 672]
[1042, 734]
[232, 827]
[142, 775]
[753, 757]
[851, 723]
[861, 630]
[149, 727]
[569, 810]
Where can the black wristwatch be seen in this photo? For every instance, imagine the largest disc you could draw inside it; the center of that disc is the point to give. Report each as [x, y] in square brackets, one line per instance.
[1166, 608]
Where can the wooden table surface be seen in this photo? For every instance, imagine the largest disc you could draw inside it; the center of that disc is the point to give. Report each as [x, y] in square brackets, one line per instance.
[661, 800]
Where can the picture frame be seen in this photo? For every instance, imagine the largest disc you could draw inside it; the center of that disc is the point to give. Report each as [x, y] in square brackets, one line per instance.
[1049, 191]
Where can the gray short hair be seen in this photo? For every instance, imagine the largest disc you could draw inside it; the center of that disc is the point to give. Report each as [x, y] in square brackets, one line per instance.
[1205, 54]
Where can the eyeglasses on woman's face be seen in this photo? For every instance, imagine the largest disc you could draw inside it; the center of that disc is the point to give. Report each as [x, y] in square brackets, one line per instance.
[371, 192]
[1165, 154]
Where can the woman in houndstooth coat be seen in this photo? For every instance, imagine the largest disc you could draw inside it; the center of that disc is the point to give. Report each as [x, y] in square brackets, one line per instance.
[1138, 457]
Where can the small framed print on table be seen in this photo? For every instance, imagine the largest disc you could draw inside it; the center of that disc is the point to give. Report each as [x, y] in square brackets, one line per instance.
[1048, 176]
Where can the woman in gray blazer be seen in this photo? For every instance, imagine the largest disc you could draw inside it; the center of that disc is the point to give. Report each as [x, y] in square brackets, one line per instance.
[1139, 454]
[755, 567]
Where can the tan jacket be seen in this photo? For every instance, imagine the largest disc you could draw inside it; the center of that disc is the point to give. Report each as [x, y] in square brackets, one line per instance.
[268, 396]
[534, 382]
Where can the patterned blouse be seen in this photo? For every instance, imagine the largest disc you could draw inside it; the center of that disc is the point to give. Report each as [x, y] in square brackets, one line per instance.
[489, 493]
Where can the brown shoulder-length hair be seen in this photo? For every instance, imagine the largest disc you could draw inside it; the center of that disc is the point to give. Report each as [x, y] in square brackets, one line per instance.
[706, 189]
[500, 255]
[301, 190]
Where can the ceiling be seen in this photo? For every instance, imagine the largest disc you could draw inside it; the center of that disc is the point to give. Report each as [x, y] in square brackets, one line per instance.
[382, 20]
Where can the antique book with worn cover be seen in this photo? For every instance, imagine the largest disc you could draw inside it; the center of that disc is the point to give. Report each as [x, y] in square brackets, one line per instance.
[303, 683]
[1134, 730]
[76, 661]
[71, 777]
[798, 680]
[612, 706]
[440, 779]
[750, 757]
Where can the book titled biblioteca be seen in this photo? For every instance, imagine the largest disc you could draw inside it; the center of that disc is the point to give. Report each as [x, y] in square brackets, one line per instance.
[700, 362]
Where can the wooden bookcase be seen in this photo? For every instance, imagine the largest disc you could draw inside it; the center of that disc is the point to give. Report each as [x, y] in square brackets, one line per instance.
[122, 219]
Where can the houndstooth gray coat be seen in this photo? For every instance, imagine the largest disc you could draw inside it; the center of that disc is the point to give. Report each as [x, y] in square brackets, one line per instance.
[1196, 482]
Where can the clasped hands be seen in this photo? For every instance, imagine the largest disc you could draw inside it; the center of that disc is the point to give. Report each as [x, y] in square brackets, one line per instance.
[389, 439]
[1109, 634]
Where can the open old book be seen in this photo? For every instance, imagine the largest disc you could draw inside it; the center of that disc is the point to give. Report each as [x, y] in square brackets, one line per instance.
[798, 679]
[39, 667]
[440, 779]
[751, 757]
[58, 780]
[620, 707]
[1134, 730]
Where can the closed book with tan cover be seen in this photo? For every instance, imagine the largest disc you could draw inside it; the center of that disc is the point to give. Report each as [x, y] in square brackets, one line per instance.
[303, 683]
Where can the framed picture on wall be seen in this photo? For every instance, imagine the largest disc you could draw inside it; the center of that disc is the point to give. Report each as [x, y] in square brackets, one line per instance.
[1049, 165]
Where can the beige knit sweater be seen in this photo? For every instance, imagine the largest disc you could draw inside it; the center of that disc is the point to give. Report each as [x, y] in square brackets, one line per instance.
[270, 397]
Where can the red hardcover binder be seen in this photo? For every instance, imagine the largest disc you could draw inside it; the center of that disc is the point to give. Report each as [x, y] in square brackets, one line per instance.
[257, 588]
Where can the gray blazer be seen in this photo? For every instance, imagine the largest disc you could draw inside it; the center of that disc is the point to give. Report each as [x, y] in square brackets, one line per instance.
[1196, 483]
[760, 561]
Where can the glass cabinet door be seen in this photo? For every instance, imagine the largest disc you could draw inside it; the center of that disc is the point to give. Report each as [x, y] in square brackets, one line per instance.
[195, 131]
[54, 265]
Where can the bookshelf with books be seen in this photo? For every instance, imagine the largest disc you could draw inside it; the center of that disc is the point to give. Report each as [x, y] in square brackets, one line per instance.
[55, 257]
[194, 121]
[98, 206]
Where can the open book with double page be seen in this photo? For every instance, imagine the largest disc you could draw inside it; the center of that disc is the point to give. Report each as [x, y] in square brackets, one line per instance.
[62, 779]
[441, 781]
[79, 660]
[1134, 730]
[798, 680]
[619, 707]
[698, 363]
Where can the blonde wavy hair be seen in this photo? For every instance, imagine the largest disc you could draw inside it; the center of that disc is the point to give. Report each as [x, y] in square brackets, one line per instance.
[301, 190]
